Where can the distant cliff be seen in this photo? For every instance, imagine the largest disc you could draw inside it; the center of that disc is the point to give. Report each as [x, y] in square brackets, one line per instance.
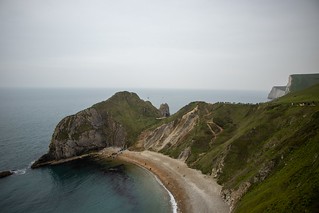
[277, 91]
[299, 82]
[296, 82]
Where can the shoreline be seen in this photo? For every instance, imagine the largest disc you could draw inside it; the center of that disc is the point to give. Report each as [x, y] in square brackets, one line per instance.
[164, 177]
[171, 196]
[172, 200]
[193, 191]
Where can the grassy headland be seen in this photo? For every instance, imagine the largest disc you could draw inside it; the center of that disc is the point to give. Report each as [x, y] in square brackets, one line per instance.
[265, 155]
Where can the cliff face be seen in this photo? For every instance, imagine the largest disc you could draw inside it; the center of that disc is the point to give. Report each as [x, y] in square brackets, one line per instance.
[170, 134]
[115, 122]
[84, 132]
[277, 92]
[299, 82]
[296, 82]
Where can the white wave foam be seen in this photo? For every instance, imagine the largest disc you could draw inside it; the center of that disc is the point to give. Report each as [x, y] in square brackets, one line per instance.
[24, 170]
[20, 171]
[172, 199]
[30, 164]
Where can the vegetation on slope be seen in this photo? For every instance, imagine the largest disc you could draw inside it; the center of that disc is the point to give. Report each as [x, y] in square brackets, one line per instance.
[266, 157]
[303, 81]
[308, 95]
[130, 111]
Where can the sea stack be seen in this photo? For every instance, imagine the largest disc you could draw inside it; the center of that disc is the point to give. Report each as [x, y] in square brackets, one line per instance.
[164, 109]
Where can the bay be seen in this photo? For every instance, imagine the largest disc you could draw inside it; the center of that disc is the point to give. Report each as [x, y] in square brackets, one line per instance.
[27, 120]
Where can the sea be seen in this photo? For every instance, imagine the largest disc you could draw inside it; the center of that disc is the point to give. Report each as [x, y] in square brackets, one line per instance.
[28, 117]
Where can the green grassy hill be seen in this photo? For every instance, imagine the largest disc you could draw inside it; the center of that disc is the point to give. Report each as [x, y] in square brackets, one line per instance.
[302, 81]
[130, 111]
[266, 156]
[311, 94]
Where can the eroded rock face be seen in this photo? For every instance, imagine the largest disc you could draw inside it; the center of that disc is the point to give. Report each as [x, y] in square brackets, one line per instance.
[81, 133]
[232, 196]
[171, 133]
[185, 154]
[84, 132]
[277, 92]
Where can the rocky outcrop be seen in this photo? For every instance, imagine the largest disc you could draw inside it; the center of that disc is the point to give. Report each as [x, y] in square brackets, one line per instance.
[5, 174]
[171, 133]
[164, 109]
[103, 125]
[185, 154]
[277, 92]
[81, 133]
[233, 195]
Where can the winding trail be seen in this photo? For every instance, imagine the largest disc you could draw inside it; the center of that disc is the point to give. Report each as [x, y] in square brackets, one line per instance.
[215, 133]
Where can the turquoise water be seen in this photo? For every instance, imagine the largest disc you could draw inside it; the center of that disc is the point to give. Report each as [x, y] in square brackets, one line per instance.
[83, 186]
[27, 121]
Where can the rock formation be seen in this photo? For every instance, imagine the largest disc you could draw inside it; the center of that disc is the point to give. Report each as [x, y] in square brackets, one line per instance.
[85, 131]
[5, 174]
[164, 109]
[115, 122]
[171, 133]
[296, 82]
[276, 92]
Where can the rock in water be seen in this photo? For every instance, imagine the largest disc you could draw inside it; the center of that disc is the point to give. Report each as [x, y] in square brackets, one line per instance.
[5, 174]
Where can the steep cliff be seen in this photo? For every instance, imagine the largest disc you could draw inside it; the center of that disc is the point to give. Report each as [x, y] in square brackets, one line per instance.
[296, 82]
[170, 134]
[277, 92]
[115, 122]
[299, 82]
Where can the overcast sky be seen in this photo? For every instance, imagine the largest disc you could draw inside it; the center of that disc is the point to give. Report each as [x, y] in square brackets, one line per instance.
[199, 44]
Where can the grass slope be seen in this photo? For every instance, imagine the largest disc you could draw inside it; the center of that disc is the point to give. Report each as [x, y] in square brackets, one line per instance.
[303, 81]
[272, 146]
[308, 95]
[130, 111]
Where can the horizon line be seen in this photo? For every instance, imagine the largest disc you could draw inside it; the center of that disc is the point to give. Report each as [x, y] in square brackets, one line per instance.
[137, 88]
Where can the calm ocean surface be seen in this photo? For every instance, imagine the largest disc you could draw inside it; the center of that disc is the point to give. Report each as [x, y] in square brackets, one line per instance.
[27, 120]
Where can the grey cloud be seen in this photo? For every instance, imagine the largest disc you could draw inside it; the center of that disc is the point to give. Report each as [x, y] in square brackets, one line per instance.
[176, 44]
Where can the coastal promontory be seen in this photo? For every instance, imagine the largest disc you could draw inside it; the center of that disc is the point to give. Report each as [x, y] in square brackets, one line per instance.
[114, 122]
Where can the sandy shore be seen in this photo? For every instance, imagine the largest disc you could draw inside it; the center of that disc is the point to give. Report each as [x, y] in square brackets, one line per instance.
[193, 191]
